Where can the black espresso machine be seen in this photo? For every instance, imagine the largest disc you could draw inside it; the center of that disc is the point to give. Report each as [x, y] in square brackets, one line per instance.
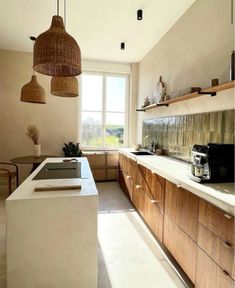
[212, 163]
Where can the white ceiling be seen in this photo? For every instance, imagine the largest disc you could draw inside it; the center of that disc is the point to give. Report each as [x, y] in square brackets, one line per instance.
[99, 26]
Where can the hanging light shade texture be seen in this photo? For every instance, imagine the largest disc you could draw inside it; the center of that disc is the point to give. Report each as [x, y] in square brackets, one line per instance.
[64, 86]
[56, 53]
[33, 92]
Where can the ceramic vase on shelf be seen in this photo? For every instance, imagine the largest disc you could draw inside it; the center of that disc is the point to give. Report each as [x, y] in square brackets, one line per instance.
[37, 150]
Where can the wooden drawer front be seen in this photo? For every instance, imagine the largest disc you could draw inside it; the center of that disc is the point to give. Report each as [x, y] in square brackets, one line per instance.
[209, 274]
[217, 221]
[98, 174]
[181, 246]
[96, 160]
[138, 198]
[218, 250]
[153, 217]
[112, 158]
[123, 162]
[155, 186]
[182, 207]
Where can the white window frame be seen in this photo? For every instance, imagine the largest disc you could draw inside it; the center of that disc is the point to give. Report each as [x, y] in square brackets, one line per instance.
[127, 101]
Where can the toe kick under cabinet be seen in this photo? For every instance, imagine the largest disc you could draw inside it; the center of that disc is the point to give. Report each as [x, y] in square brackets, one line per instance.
[199, 235]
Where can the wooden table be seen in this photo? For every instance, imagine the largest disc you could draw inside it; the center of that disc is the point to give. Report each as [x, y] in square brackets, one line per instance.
[35, 161]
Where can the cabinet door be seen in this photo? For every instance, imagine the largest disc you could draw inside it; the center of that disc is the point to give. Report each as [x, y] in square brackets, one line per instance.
[139, 188]
[153, 217]
[181, 246]
[154, 198]
[221, 252]
[209, 274]
[155, 186]
[182, 207]
[217, 221]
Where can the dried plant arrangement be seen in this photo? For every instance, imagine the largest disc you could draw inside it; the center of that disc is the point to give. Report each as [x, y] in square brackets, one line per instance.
[33, 133]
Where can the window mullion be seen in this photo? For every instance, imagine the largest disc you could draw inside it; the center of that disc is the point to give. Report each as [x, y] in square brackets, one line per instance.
[104, 112]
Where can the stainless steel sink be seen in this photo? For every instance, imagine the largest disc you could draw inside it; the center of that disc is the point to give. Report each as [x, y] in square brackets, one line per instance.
[142, 153]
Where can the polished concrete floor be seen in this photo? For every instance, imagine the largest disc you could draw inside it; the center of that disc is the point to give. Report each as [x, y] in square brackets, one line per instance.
[129, 256]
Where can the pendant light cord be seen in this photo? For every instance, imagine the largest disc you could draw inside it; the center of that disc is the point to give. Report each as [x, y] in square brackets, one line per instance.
[65, 13]
[58, 7]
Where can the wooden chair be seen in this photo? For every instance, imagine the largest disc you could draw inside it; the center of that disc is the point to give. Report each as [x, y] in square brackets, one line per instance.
[6, 173]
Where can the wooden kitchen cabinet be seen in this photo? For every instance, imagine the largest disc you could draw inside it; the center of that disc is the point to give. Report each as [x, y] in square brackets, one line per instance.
[146, 191]
[219, 251]
[182, 207]
[181, 246]
[217, 221]
[209, 274]
[139, 190]
[154, 199]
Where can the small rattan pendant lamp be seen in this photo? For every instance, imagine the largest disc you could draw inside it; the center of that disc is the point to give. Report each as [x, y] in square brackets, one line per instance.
[33, 92]
[56, 53]
[64, 86]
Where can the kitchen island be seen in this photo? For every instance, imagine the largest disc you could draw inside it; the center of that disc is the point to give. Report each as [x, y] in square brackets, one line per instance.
[52, 235]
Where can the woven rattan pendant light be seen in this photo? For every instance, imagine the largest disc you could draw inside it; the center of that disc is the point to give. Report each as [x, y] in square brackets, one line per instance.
[64, 86]
[56, 53]
[33, 92]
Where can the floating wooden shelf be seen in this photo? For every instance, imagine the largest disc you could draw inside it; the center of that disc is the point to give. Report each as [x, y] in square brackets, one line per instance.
[210, 91]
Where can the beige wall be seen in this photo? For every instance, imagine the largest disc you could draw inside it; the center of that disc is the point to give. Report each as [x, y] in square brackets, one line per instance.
[56, 120]
[196, 49]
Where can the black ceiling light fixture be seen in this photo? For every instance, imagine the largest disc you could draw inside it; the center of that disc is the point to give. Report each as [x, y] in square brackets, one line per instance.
[122, 45]
[139, 14]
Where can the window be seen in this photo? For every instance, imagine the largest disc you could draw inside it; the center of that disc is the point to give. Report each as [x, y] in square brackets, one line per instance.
[103, 110]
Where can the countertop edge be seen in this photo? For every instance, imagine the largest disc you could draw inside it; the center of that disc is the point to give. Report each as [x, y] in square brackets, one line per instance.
[188, 185]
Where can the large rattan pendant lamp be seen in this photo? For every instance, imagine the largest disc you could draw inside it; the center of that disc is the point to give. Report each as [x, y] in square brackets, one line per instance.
[33, 92]
[64, 86]
[56, 53]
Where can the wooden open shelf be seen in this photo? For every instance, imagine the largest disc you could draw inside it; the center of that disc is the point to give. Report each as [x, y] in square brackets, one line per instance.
[209, 90]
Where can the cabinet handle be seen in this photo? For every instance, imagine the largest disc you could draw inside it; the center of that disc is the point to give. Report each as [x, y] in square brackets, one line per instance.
[225, 272]
[153, 201]
[227, 244]
[138, 186]
[178, 185]
[227, 216]
[128, 177]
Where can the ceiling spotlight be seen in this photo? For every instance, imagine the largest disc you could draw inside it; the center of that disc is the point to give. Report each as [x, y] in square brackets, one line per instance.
[139, 14]
[123, 46]
[32, 38]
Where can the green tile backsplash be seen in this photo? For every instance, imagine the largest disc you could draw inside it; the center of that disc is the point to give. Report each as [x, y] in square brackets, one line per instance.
[178, 134]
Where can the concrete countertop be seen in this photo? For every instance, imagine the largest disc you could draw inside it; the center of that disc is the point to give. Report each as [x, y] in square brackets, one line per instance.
[221, 195]
[26, 189]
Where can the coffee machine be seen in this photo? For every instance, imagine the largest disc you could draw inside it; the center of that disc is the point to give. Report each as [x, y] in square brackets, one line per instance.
[212, 163]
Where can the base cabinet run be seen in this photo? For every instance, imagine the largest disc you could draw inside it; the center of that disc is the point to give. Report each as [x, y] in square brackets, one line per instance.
[198, 235]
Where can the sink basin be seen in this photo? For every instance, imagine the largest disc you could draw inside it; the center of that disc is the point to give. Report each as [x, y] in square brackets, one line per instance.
[141, 153]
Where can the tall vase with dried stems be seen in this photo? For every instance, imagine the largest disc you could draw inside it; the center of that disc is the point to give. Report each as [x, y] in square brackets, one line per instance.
[33, 134]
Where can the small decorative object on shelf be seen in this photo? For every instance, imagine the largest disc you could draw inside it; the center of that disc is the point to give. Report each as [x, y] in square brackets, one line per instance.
[33, 134]
[214, 82]
[72, 150]
[161, 89]
[146, 101]
[189, 90]
[167, 97]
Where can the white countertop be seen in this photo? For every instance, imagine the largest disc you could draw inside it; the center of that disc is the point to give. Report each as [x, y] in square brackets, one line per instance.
[221, 195]
[26, 189]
